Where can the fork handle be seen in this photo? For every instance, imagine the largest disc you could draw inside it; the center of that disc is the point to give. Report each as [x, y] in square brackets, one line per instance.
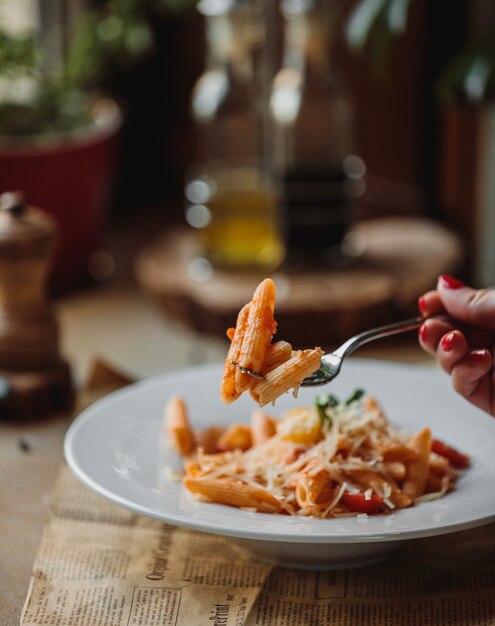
[377, 333]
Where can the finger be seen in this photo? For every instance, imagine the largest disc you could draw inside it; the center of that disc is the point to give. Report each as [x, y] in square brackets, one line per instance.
[474, 306]
[452, 347]
[431, 332]
[472, 378]
[430, 303]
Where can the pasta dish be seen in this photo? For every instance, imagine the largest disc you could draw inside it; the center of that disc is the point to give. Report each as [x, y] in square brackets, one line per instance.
[329, 460]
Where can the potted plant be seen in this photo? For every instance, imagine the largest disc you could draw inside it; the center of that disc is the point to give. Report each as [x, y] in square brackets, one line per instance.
[58, 133]
[57, 145]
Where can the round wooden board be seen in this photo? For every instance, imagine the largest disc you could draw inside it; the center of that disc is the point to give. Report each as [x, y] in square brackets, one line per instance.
[402, 259]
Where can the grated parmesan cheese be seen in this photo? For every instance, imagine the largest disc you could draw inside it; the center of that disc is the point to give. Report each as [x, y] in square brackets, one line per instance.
[340, 456]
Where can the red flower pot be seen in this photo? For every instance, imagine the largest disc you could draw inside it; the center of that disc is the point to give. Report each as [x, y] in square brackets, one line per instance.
[70, 177]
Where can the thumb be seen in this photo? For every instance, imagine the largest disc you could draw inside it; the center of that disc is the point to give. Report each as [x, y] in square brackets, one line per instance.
[472, 306]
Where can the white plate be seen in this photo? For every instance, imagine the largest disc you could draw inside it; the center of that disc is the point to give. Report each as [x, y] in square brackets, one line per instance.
[116, 447]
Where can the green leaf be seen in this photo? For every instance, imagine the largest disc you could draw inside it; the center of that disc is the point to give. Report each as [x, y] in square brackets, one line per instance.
[355, 396]
[110, 29]
[325, 401]
[361, 21]
[470, 74]
[372, 25]
[138, 39]
[17, 52]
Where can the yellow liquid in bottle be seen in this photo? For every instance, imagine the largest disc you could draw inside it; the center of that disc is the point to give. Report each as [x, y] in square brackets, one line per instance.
[243, 231]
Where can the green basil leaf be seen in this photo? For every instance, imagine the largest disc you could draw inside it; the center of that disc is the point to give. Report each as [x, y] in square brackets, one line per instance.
[355, 396]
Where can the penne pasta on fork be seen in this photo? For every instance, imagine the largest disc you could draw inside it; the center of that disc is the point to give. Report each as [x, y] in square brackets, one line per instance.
[274, 368]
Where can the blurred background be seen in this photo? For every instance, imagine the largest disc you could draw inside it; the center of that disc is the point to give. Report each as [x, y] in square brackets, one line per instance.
[344, 146]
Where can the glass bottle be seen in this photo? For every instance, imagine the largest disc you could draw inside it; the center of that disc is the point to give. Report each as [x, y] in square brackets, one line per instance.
[313, 115]
[232, 196]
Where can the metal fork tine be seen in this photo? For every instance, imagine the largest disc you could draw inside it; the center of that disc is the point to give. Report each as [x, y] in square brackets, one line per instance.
[245, 370]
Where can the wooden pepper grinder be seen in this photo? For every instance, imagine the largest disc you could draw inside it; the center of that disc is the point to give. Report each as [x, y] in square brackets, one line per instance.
[34, 379]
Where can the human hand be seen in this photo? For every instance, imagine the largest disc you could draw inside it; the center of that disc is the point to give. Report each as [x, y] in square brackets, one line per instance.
[463, 342]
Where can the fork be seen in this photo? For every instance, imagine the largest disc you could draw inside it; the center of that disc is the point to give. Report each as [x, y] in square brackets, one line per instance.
[332, 362]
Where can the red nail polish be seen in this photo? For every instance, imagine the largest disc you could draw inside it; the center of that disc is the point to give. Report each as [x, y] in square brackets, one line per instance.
[477, 356]
[422, 304]
[447, 342]
[423, 333]
[449, 282]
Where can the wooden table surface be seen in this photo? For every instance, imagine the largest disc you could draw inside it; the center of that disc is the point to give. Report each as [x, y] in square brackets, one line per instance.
[119, 324]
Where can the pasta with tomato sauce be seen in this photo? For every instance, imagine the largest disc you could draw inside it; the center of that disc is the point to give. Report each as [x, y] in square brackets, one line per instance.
[332, 459]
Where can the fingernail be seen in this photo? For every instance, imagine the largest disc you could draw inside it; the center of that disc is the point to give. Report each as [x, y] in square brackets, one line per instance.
[422, 304]
[423, 333]
[477, 356]
[449, 282]
[447, 342]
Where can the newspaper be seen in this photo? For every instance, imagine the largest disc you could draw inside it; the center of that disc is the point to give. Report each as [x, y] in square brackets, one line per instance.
[100, 565]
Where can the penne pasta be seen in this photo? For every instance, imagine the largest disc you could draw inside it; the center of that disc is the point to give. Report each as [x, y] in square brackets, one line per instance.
[399, 454]
[208, 439]
[395, 470]
[438, 465]
[260, 328]
[251, 349]
[236, 437]
[234, 493]
[228, 391]
[417, 470]
[277, 353]
[262, 427]
[287, 376]
[317, 490]
[177, 426]
[433, 483]
[393, 450]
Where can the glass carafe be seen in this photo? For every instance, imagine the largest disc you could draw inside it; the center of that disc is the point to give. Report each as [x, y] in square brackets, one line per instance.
[312, 111]
[232, 196]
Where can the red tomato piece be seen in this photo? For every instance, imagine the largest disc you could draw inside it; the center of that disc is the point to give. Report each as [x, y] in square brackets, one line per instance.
[458, 460]
[358, 503]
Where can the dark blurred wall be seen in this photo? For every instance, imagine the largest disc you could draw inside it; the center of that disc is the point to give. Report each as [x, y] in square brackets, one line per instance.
[157, 138]
[397, 112]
